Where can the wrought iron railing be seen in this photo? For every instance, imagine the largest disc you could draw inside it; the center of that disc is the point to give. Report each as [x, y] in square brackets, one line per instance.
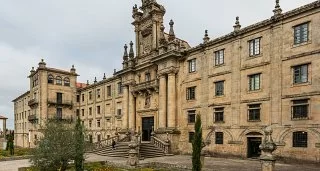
[32, 102]
[60, 102]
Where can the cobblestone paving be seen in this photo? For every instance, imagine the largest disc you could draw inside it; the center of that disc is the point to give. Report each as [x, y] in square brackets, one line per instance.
[211, 164]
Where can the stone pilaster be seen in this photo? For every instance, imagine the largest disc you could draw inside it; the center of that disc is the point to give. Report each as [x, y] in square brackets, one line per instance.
[125, 109]
[162, 102]
[132, 112]
[172, 100]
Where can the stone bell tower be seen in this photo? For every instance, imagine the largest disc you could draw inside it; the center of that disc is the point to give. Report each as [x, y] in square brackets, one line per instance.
[147, 21]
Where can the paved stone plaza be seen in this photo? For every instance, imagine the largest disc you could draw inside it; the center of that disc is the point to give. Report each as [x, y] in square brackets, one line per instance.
[211, 164]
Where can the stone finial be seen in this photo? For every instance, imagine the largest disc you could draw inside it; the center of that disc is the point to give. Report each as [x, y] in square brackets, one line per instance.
[87, 82]
[72, 70]
[267, 147]
[42, 64]
[125, 54]
[32, 70]
[277, 10]
[206, 37]
[114, 71]
[104, 76]
[237, 25]
[171, 32]
[131, 53]
[95, 80]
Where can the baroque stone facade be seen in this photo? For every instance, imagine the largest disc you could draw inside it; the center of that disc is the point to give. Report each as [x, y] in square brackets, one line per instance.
[261, 75]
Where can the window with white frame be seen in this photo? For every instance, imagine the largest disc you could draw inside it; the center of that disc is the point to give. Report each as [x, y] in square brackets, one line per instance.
[254, 46]
[301, 33]
[191, 93]
[219, 88]
[254, 82]
[192, 65]
[219, 57]
[300, 74]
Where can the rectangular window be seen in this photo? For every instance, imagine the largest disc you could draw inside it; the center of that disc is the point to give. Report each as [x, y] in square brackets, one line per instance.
[300, 109]
[191, 116]
[98, 93]
[82, 123]
[109, 90]
[219, 91]
[59, 98]
[90, 123]
[78, 98]
[191, 93]
[218, 114]
[300, 74]
[219, 137]
[147, 77]
[301, 33]
[90, 110]
[83, 97]
[254, 112]
[78, 112]
[254, 46]
[191, 137]
[254, 82]
[59, 113]
[90, 95]
[118, 112]
[98, 137]
[119, 88]
[98, 110]
[98, 123]
[300, 139]
[82, 110]
[192, 65]
[219, 57]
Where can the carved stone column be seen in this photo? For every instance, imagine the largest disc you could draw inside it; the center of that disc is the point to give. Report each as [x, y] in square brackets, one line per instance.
[162, 102]
[132, 112]
[172, 100]
[125, 108]
[268, 146]
[133, 152]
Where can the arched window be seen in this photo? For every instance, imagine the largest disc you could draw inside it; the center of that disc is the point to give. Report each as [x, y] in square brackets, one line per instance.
[66, 81]
[58, 80]
[50, 79]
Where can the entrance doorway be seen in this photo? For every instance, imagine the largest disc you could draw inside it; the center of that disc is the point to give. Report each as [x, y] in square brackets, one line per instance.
[147, 124]
[253, 147]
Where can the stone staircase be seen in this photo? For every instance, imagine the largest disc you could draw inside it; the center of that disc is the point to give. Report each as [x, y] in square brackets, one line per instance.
[147, 150]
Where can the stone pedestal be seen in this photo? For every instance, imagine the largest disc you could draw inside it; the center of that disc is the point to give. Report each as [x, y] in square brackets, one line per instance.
[133, 159]
[268, 146]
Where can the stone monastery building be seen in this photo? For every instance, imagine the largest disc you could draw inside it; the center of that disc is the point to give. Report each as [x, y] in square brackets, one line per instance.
[261, 75]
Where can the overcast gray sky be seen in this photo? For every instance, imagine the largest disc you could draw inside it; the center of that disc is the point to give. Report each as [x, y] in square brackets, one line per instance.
[91, 33]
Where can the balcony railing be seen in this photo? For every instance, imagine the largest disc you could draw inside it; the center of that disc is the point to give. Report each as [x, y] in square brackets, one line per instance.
[60, 102]
[153, 84]
[32, 102]
[55, 117]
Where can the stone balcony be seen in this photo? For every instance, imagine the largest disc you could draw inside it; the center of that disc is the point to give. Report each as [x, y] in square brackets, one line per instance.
[33, 102]
[146, 86]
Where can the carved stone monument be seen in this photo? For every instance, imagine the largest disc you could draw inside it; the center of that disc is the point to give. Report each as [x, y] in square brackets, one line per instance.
[133, 152]
[268, 146]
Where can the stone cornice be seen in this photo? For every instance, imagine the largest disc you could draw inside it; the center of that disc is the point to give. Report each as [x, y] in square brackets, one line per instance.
[219, 104]
[301, 55]
[315, 93]
[172, 53]
[255, 65]
[147, 110]
[219, 73]
[264, 23]
[24, 94]
[255, 100]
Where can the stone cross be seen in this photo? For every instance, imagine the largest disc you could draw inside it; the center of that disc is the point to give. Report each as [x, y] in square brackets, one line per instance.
[268, 146]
